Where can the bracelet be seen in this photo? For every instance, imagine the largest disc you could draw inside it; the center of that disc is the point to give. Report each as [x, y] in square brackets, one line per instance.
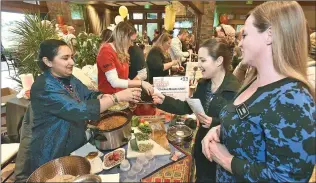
[115, 98]
[101, 96]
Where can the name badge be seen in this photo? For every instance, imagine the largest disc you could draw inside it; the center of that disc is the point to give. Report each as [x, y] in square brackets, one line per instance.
[242, 111]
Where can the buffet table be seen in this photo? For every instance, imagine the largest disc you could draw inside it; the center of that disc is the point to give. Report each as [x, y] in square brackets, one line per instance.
[162, 169]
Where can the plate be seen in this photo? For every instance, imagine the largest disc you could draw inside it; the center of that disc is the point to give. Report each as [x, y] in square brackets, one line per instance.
[119, 107]
[108, 164]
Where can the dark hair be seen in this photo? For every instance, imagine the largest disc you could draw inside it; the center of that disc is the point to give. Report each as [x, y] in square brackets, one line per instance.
[183, 31]
[220, 47]
[48, 48]
[106, 36]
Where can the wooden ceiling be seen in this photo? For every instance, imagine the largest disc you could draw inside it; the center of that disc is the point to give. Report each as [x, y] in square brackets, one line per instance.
[125, 3]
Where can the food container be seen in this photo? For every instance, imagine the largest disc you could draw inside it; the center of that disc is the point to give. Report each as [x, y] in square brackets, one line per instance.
[109, 163]
[179, 134]
[88, 178]
[67, 165]
[110, 139]
[146, 106]
[145, 109]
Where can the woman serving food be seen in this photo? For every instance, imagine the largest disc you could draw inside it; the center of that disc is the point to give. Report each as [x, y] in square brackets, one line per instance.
[54, 125]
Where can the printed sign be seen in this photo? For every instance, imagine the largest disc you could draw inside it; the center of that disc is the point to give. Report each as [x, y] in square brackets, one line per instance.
[176, 87]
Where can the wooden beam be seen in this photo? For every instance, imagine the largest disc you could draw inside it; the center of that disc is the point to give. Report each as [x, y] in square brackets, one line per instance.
[21, 7]
[197, 6]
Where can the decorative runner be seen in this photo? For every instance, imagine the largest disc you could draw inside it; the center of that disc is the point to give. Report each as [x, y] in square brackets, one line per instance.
[178, 171]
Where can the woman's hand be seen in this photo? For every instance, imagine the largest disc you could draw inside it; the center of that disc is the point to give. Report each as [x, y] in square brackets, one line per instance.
[212, 135]
[129, 95]
[175, 62]
[28, 94]
[147, 87]
[205, 120]
[220, 155]
[158, 98]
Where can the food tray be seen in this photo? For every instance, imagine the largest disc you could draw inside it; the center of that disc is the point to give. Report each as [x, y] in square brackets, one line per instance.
[113, 163]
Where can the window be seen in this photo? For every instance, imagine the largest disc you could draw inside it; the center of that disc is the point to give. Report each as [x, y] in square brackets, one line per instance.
[32, 2]
[152, 15]
[163, 15]
[186, 24]
[139, 29]
[137, 16]
[151, 27]
[8, 22]
[76, 11]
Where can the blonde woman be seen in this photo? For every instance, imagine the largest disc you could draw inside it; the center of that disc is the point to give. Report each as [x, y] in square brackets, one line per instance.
[157, 58]
[268, 133]
[113, 62]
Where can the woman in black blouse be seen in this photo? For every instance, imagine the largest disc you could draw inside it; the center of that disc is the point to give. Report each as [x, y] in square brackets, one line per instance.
[157, 62]
[217, 88]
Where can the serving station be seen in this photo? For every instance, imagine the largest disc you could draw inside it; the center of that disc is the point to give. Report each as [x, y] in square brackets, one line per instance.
[124, 147]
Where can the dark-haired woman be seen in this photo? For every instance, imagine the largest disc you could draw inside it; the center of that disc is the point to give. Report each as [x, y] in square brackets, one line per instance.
[217, 88]
[60, 105]
[157, 58]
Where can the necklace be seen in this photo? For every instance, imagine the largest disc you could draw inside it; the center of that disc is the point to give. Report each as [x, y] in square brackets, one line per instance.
[68, 89]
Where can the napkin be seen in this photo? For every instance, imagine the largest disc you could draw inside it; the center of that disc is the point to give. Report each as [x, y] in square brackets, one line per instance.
[195, 105]
[110, 177]
[8, 150]
[85, 150]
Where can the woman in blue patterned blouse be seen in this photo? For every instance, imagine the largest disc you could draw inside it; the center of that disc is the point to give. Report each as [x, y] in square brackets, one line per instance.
[60, 105]
[268, 132]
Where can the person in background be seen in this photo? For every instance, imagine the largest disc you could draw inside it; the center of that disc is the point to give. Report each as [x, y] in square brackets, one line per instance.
[146, 38]
[311, 64]
[137, 68]
[217, 87]
[70, 38]
[191, 42]
[237, 56]
[156, 36]
[106, 36]
[176, 46]
[157, 62]
[113, 62]
[55, 121]
[267, 134]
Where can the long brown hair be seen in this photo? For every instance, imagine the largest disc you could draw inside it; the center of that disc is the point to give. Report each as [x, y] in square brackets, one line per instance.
[289, 44]
[122, 40]
[217, 47]
[163, 38]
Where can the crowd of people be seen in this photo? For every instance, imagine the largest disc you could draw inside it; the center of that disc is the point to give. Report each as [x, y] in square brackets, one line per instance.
[258, 126]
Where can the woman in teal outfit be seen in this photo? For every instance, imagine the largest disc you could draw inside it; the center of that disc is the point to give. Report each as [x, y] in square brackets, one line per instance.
[60, 105]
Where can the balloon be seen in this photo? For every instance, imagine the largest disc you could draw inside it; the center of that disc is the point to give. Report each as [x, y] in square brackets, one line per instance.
[223, 19]
[118, 19]
[123, 11]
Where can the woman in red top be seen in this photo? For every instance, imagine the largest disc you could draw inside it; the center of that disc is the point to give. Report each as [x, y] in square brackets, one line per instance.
[113, 62]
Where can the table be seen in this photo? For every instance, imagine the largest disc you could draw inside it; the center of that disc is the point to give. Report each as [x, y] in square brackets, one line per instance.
[15, 110]
[160, 163]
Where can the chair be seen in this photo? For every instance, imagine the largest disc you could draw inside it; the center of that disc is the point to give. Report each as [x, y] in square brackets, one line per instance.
[11, 64]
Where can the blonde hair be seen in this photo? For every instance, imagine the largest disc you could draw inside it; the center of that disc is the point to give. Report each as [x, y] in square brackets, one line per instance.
[163, 38]
[289, 44]
[122, 40]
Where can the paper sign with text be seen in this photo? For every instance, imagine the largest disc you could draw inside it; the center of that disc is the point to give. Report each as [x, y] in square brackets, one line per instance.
[176, 87]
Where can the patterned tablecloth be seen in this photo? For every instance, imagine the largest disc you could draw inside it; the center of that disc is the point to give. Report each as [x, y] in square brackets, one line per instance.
[163, 169]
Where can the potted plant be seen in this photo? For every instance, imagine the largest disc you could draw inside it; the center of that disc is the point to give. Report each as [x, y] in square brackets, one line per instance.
[30, 32]
[59, 16]
[87, 48]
